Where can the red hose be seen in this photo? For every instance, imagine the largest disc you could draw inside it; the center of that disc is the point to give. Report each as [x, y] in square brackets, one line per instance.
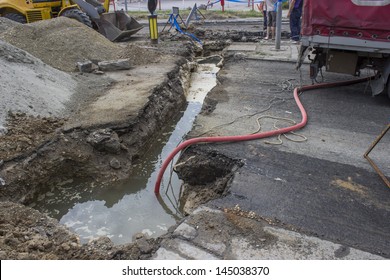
[248, 137]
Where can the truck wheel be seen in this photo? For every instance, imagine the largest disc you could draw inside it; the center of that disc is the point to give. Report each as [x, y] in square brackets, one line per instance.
[78, 15]
[16, 17]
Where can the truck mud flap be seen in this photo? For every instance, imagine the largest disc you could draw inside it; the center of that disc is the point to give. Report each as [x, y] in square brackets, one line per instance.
[117, 26]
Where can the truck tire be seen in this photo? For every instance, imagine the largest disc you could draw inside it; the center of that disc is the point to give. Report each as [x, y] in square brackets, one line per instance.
[16, 17]
[78, 15]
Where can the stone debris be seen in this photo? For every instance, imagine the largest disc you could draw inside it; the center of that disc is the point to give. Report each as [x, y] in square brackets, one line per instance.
[114, 65]
[105, 140]
[85, 66]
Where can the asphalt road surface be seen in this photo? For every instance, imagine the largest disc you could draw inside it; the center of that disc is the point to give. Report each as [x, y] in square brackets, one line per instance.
[323, 186]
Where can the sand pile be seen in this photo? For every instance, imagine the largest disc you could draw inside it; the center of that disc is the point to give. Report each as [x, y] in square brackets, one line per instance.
[28, 85]
[6, 23]
[140, 56]
[61, 42]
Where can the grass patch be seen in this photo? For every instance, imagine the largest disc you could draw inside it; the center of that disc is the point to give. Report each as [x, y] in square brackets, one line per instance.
[209, 14]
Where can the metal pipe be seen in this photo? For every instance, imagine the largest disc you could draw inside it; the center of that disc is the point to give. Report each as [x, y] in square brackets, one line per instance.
[278, 30]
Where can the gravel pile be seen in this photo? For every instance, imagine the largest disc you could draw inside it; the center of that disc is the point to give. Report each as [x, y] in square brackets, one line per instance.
[28, 85]
[6, 24]
[61, 42]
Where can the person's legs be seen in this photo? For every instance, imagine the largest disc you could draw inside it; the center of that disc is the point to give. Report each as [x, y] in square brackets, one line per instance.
[269, 24]
[265, 20]
[295, 24]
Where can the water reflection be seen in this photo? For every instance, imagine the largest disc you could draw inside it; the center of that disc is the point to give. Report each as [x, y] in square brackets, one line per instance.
[127, 207]
[121, 215]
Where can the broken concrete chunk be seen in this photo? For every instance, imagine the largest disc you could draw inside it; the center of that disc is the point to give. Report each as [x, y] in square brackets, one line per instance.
[114, 65]
[85, 66]
[105, 140]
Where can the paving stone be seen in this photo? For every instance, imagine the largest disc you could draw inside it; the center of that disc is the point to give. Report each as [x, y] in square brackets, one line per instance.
[164, 254]
[242, 47]
[217, 248]
[85, 66]
[186, 231]
[193, 252]
[295, 246]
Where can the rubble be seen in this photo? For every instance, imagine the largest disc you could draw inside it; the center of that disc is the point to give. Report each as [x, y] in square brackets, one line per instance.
[114, 65]
[39, 94]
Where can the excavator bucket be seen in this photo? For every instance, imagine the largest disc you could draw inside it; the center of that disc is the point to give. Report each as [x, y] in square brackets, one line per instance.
[117, 26]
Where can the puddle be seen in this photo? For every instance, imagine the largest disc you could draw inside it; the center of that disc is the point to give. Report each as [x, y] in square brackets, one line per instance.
[125, 208]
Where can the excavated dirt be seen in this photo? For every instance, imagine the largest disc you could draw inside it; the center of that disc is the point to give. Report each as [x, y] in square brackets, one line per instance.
[26, 234]
[62, 42]
[38, 147]
[206, 175]
[42, 144]
[26, 133]
[30, 86]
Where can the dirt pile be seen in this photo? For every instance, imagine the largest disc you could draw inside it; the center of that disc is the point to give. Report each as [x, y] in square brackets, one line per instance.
[26, 234]
[31, 235]
[6, 24]
[26, 133]
[61, 42]
[140, 56]
[30, 86]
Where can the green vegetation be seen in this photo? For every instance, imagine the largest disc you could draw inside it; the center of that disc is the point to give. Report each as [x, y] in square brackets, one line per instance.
[209, 14]
[233, 14]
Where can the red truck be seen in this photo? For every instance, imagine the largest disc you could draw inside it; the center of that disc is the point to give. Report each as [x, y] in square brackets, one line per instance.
[347, 36]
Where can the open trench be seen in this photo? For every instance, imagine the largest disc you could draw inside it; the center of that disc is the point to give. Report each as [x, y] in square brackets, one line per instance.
[99, 181]
[123, 208]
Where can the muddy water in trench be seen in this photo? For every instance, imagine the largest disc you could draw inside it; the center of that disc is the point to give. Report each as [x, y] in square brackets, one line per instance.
[128, 207]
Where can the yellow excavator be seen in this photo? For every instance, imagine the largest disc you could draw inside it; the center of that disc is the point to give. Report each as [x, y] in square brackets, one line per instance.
[115, 26]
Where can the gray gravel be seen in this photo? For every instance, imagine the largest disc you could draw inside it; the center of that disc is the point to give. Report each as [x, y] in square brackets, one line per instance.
[28, 85]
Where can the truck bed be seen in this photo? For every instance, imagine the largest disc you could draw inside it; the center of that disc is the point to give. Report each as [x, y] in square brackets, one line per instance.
[346, 43]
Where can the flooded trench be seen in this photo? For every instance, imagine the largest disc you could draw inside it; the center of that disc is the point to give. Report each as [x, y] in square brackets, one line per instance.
[121, 209]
